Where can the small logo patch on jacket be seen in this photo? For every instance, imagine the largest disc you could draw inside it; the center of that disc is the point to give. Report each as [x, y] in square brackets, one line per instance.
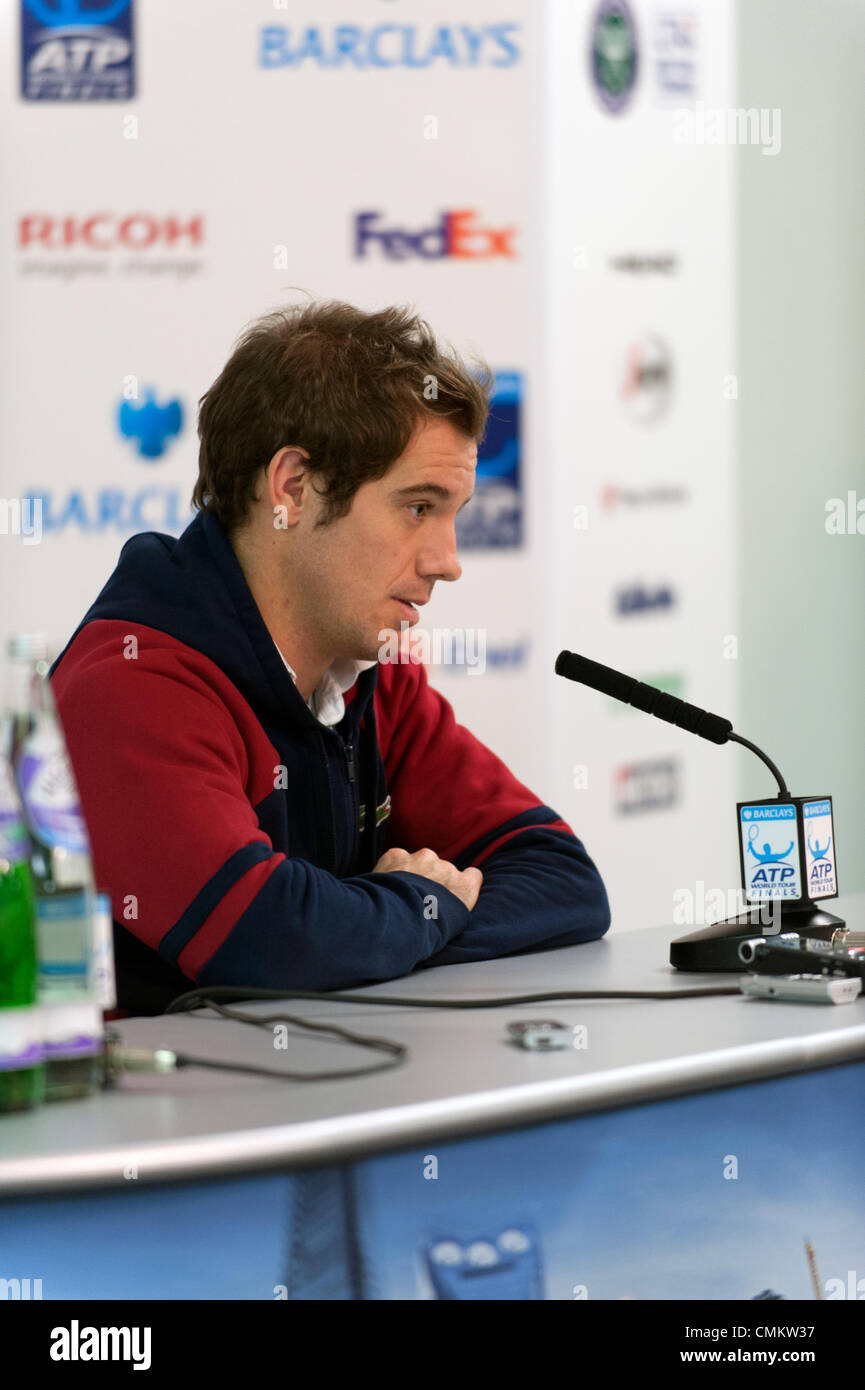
[381, 813]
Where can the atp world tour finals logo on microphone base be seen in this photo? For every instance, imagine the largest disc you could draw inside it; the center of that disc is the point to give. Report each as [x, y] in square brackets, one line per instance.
[787, 849]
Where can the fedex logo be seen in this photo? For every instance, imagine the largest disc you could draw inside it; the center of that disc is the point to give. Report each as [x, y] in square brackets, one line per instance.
[458, 234]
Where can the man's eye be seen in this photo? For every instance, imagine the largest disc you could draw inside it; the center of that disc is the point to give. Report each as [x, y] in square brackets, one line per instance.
[427, 505]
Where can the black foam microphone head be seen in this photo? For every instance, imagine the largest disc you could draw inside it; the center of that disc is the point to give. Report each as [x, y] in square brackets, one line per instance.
[643, 697]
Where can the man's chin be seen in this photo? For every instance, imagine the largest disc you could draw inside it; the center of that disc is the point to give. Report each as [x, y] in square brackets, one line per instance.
[394, 643]
[366, 647]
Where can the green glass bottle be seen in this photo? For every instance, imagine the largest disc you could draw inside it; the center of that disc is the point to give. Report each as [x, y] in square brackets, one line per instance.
[69, 1014]
[22, 1073]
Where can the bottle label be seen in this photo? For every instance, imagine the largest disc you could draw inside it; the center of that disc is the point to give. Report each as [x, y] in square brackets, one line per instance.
[63, 934]
[20, 1044]
[14, 842]
[78, 1045]
[50, 796]
[104, 977]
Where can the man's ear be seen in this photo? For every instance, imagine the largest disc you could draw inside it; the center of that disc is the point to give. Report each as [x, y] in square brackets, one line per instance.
[287, 479]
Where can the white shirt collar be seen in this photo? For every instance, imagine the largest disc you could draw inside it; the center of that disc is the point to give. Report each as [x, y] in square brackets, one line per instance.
[327, 703]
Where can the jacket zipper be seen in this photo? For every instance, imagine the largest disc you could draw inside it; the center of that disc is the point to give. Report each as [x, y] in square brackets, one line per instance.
[348, 750]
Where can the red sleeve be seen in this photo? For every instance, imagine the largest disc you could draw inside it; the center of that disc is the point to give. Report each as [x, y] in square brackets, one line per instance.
[448, 790]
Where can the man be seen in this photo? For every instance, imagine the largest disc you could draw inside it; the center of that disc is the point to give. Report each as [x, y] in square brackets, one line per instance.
[270, 804]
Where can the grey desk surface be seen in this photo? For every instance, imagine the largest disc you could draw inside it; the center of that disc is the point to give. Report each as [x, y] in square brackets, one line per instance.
[462, 1076]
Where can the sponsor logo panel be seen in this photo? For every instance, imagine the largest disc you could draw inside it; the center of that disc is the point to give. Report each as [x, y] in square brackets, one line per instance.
[493, 519]
[365, 48]
[652, 784]
[150, 426]
[632, 600]
[77, 50]
[614, 55]
[458, 235]
[83, 245]
[770, 851]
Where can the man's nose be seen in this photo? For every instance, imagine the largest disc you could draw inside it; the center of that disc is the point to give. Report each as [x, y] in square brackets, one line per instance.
[439, 561]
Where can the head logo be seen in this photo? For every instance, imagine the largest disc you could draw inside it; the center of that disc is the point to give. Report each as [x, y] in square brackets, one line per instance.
[77, 50]
[614, 59]
[647, 379]
[150, 425]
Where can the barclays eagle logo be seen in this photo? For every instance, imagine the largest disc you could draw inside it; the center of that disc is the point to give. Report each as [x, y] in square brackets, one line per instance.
[149, 424]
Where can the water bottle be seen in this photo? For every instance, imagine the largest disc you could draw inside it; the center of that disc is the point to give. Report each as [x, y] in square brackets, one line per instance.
[104, 973]
[62, 878]
[22, 1073]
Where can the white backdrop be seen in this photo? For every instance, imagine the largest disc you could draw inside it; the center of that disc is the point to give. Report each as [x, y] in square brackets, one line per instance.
[148, 231]
[639, 249]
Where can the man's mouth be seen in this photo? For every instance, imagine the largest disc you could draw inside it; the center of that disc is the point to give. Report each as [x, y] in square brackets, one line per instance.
[410, 606]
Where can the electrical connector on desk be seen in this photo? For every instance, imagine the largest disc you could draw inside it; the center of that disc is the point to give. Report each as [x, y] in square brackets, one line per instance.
[117, 1059]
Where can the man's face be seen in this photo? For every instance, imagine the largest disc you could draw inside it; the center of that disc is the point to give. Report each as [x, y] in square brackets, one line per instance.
[361, 572]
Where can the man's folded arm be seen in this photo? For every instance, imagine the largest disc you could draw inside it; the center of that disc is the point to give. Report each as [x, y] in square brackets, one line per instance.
[452, 793]
[540, 890]
[163, 774]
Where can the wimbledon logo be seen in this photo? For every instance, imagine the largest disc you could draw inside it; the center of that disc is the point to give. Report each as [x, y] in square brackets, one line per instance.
[614, 54]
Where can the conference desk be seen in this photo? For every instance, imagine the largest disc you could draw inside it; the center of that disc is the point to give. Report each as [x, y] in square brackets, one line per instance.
[684, 1149]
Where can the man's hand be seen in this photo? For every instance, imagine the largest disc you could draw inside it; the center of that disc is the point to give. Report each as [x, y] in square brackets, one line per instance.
[465, 885]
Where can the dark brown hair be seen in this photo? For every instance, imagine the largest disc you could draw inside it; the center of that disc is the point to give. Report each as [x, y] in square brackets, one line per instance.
[345, 385]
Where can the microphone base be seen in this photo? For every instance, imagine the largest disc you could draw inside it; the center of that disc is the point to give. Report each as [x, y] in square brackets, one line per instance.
[717, 947]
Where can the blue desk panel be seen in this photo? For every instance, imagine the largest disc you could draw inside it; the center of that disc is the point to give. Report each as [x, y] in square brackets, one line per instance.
[710, 1196]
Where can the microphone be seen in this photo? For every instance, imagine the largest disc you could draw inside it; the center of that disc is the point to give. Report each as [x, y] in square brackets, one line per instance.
[643, 697]
[770, 872]
[657, 702]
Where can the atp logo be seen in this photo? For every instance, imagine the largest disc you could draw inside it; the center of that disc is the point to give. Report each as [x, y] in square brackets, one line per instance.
[820, 839]
[77, 50]
[149, 424]
[770, 851]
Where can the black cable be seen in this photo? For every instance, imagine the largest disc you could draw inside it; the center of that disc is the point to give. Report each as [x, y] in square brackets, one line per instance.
[398, 1050]
[184, 1060]
[199, 998]
[207, 996]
